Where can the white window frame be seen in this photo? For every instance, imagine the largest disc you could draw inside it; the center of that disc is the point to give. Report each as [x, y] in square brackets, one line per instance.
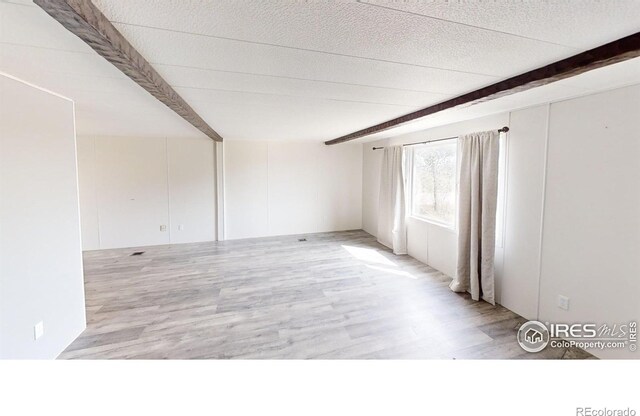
[450, 226]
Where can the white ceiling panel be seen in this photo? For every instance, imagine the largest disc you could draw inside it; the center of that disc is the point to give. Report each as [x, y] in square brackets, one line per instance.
[20, 27]
[267, 117]
[348, 71]
[15, 58]
[311, 70]
[185, 50]
[60, 66]
[37, 49]
[341, 28]
[189, 78]
[581, 24]
[613, 76]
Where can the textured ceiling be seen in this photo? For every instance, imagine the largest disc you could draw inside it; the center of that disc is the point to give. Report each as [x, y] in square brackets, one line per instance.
[308, 69]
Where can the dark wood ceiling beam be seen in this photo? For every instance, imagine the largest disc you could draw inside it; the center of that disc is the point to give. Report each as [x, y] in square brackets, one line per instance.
[611, 53]
[85, 20]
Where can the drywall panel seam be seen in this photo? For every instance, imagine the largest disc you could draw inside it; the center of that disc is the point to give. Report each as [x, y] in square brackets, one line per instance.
[94, 188]
[41, 89]
[75, 155]
[268, 193]
[542, 208]
[166, 160]
[216, 189]
[220, 190]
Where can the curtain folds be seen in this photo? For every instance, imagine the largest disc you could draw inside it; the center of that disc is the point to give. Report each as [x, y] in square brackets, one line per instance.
[392, 230]
[477, 200]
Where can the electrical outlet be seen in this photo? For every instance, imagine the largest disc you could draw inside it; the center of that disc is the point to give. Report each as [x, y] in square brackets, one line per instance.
[163, 228]
[563, 302]
[38, 330]
[180, 227]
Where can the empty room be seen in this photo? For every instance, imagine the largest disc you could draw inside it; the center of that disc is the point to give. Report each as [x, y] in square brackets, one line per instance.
[340, 182]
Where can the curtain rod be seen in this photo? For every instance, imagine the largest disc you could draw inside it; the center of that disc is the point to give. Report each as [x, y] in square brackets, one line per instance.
[502, 130]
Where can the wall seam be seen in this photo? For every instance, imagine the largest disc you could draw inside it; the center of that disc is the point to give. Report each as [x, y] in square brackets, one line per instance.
[268, 199]
[94, 167]
[221, 220]
[543, 203]
[77, 171]
[215, 191]
[166, 160]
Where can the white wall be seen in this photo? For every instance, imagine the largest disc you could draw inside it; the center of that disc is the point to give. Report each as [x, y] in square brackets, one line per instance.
[519, 270]
[192, 189]
[371, 165]
[246, 189]
[40, 251]
[591, 236]
[284, 187]
[571, 203]
[130, 186]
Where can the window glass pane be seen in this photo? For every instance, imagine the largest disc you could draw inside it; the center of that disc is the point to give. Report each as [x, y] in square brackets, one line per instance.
[434, 181]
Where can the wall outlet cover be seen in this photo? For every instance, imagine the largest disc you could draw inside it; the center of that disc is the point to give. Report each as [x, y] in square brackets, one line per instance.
[563, 302]
[163, 228]
[38, 330]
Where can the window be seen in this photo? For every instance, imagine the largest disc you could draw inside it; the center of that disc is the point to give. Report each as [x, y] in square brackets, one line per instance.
[433, 184]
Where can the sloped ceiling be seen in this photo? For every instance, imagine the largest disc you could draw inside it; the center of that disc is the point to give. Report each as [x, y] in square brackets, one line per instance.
[309, 70]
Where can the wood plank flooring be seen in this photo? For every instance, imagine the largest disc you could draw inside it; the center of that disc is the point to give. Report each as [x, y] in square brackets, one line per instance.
[335, 295]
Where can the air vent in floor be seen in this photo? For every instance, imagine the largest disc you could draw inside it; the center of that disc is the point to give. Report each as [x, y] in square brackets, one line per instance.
[137, 253]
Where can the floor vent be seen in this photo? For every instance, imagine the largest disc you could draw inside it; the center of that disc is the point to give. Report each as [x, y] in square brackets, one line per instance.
[302, 239]
[138, 253]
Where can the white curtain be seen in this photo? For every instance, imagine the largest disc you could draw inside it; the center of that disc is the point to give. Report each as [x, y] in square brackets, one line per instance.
[392, 230]
[477, 200]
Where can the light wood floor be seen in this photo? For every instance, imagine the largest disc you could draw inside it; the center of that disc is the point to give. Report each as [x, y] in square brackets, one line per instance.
[336, 295]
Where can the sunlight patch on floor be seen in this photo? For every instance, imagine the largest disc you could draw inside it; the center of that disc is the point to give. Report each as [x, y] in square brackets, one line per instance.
[392, 271]
[369, 255]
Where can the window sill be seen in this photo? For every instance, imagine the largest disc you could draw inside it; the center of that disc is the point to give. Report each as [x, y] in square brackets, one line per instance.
[447, 227]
